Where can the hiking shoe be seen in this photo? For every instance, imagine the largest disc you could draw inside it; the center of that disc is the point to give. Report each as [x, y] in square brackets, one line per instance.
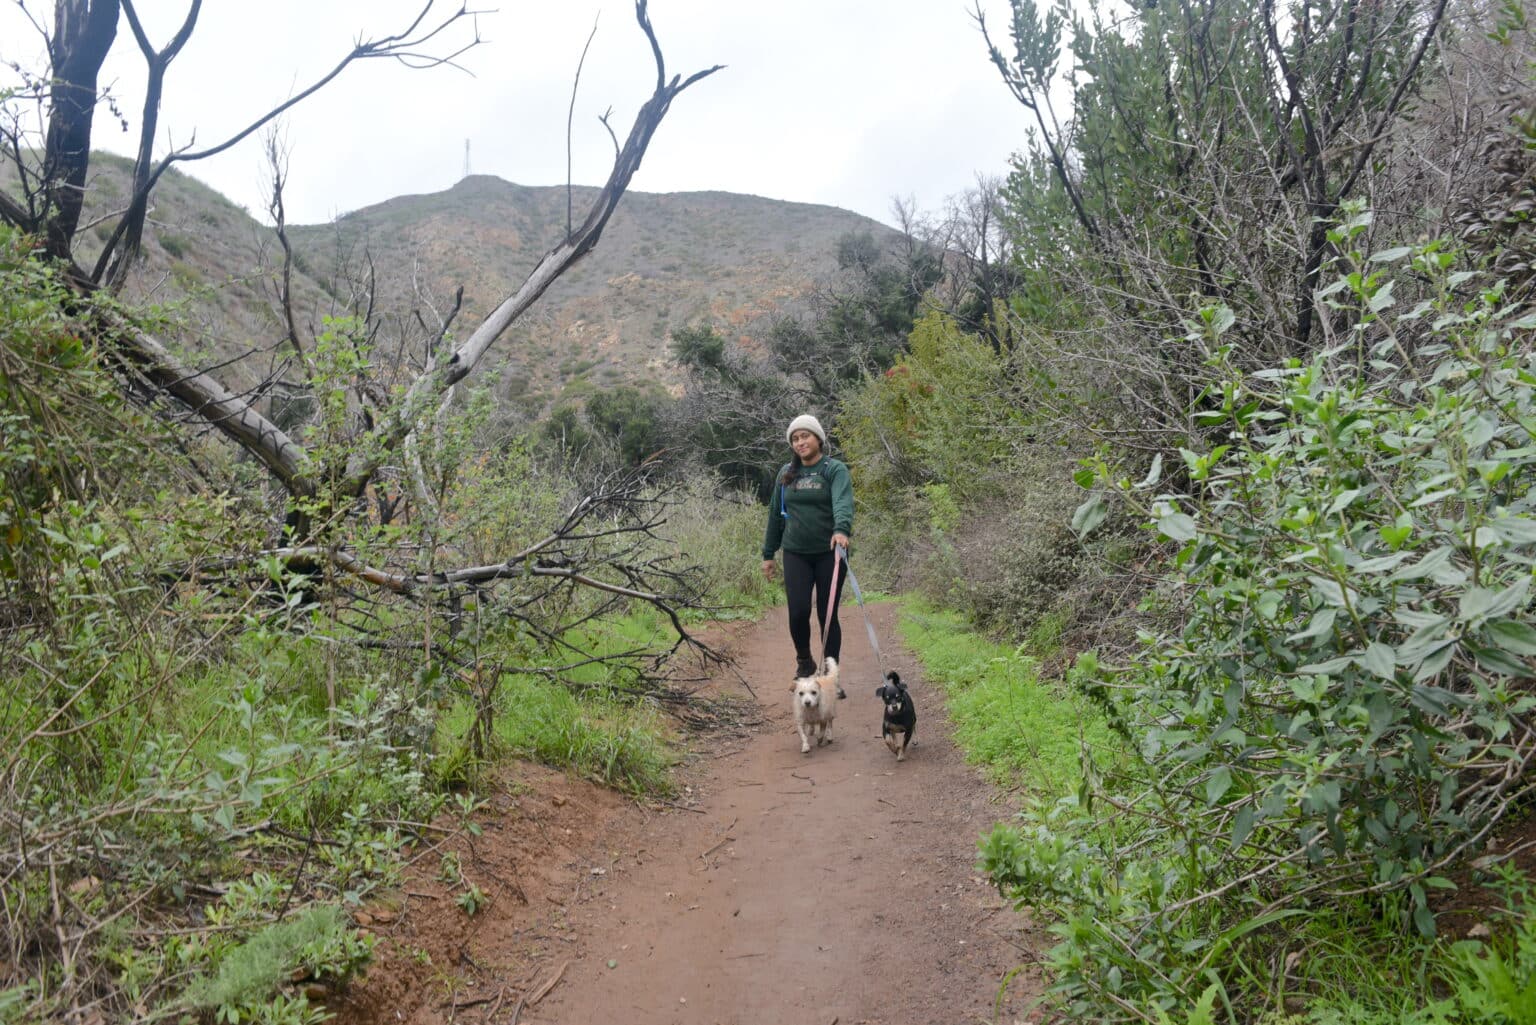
[804, 667]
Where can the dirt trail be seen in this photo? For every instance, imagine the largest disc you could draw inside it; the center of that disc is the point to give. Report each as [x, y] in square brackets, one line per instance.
[836, 886]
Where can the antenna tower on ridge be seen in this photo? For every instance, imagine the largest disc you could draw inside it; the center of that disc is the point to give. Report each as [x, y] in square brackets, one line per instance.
[466, 158]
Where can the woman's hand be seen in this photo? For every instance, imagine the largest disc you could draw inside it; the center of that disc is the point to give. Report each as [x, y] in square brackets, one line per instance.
[839, 540]
[767, 569]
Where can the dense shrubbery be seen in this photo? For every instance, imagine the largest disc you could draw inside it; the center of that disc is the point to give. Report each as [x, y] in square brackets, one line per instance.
[1016, 557]
[1329, 698]
[957, 500]
[937, 415]
[1343, 711]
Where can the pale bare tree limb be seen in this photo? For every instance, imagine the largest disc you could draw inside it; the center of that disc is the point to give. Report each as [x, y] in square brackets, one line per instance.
[288, 460]
[570, 118]
[461, 363]
[210, 400]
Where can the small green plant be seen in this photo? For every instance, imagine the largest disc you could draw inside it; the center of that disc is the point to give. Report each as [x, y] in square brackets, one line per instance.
[467, 804]
[1495, 981]
[15, 999]
[473, 900]
[1044, 638]
[336, 956]
[249, 981]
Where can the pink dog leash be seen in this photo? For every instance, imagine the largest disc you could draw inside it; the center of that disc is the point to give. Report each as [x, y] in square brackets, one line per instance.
[832, 603]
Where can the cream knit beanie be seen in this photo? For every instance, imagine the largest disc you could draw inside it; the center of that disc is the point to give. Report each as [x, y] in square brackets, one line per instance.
[806, 422]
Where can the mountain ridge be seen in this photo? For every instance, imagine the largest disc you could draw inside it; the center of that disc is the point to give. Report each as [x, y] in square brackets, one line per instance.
[665, 261]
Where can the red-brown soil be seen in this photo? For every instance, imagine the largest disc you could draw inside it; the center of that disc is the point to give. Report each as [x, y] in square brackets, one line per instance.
[834, 887]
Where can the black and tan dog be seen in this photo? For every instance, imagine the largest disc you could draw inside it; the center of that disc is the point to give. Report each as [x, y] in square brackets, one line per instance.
[900, 715]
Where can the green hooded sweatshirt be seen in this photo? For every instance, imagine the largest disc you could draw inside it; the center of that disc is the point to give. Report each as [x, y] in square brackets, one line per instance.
[803, 516]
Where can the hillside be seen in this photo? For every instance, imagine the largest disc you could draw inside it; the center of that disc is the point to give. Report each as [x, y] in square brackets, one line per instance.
[665, 261]
[208, 264]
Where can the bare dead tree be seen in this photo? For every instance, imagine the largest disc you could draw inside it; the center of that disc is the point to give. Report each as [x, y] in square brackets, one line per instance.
[84, 33]
[277, 160]
[971, 237]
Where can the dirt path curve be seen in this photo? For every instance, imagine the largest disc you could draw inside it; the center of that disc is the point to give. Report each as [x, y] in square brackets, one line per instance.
[781, 889]
[832, 886]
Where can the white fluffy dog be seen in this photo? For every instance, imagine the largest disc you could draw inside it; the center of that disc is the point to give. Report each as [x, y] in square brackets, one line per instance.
[816, 706]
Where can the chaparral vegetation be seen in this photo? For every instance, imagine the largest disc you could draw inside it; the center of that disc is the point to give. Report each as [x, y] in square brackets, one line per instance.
[1208, 427]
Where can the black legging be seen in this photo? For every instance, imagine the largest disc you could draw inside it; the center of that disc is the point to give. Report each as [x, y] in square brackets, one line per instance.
[802, 573]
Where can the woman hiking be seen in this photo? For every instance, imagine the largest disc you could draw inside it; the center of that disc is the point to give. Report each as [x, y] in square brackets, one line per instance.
[810, 515]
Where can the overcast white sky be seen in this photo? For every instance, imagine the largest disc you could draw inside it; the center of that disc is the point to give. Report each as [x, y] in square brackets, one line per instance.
[843, 102]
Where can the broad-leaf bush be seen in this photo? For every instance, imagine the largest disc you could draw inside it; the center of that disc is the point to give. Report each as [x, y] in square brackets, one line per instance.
[1344, 709]
[954, 500]
[937, 415]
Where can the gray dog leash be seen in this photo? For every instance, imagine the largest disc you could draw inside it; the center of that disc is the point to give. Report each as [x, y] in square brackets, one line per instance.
[869, 626]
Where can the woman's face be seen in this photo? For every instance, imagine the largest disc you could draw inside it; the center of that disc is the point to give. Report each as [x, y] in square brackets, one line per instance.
[806, 445]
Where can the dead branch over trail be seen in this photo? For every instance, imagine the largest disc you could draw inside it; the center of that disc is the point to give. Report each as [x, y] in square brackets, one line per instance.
[320, 488]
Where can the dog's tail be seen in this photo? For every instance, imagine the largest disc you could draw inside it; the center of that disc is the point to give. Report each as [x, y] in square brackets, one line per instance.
[830, 666]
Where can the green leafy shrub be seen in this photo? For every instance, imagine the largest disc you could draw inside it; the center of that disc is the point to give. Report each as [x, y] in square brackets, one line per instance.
[927, 441]
[937, 415]
[67, 439]
[1345, 704]
[1016, 558]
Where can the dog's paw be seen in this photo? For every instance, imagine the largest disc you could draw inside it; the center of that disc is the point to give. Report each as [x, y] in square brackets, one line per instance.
[805, 748]
[840, 694]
